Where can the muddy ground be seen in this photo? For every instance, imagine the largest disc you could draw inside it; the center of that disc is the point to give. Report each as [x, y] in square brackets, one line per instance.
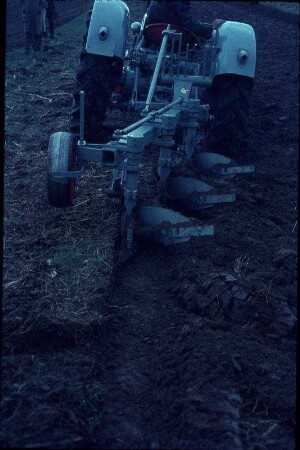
[191, 346]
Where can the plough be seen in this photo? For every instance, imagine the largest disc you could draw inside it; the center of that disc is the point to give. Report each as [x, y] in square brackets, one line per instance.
[177, 111]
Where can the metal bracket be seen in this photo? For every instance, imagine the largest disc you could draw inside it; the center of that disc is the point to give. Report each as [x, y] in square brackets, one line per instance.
[168, 227]
[130, 194]
[165, 144]
[234, 170]
[220, 165]
[59, 177]
[192, 194]
[165, 162]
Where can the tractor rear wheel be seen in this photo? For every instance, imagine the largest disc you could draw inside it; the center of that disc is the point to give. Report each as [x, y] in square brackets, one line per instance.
[229, 99]
[60, 159]
[93, 77]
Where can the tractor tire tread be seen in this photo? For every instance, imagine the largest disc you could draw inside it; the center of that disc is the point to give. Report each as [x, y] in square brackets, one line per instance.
[230, 101]
[93, 77]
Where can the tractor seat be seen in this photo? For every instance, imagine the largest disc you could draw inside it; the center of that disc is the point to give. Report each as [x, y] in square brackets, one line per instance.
[153, 35]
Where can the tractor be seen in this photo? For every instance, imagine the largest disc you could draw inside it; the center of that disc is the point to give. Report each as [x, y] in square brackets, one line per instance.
[193, 98]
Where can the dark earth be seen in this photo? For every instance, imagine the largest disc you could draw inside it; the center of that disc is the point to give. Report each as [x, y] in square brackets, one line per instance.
[191, 346]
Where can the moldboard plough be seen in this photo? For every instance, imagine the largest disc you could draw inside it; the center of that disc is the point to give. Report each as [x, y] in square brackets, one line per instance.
[193, 97]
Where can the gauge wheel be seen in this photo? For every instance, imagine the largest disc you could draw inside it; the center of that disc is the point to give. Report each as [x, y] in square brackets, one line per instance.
[60, 159]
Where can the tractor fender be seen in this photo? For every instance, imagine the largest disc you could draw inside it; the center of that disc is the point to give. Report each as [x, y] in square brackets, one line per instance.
[108, 30]
[234, 46]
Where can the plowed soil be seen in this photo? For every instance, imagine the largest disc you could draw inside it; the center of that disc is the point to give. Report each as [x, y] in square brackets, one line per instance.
[191, 346]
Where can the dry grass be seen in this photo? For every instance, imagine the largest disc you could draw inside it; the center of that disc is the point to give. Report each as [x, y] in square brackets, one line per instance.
[57, 262]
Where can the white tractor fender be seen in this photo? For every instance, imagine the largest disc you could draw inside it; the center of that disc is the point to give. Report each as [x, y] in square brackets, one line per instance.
[108, 30]
[234, 49]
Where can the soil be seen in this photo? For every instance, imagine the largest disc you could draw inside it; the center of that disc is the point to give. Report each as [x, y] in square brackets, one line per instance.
[191, 346]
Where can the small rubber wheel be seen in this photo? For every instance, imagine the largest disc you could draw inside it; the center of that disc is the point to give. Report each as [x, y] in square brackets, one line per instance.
[60, 159]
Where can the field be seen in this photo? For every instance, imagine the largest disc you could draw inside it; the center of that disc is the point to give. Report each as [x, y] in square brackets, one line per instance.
[191, 346]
